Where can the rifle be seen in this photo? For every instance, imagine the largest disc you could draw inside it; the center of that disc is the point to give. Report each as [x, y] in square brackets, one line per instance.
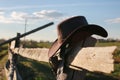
[25, 34]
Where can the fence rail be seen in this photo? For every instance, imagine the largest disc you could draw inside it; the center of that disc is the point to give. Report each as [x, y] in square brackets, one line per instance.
[39, 54]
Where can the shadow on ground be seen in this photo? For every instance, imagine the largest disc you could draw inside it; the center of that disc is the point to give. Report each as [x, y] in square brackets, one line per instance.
[100, 76]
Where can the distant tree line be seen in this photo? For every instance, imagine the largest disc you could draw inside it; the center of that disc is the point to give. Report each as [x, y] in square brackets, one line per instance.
[109, 40]
[47, 44]
[36, 44]
[4, 47]
[30, 44]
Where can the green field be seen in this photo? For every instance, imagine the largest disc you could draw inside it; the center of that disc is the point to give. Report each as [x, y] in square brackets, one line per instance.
[34, 70]
[108, 44]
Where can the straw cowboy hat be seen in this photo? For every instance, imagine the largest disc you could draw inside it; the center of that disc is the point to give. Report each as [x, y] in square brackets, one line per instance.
[74, 28]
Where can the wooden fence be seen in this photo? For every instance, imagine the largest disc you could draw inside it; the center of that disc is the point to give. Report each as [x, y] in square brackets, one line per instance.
[90, 58]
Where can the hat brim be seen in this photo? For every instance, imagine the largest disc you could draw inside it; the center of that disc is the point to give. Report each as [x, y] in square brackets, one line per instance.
[91, 29]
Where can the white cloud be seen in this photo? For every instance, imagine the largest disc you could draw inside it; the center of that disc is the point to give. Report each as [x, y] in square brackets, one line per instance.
[1, 12]
[19, 17]
[115, 20]
[13, 17]
[50, 14]
[3, 19]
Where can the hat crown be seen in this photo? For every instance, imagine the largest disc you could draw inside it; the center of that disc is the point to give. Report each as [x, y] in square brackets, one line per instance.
[69, 25]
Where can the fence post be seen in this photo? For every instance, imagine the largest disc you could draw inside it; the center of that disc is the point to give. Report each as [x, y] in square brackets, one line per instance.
[10, 67]
[17, 44]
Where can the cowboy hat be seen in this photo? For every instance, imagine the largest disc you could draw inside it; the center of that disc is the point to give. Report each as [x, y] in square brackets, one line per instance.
[74, 28]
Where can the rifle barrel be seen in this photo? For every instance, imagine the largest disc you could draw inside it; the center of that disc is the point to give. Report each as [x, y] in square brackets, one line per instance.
[27, 33]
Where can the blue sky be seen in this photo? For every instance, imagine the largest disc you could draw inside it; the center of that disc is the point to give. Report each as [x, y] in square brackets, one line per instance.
[13, 14]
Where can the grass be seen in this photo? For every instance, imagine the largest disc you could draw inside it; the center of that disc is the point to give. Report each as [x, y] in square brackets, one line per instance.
[99, 76]
[103, 44]
[3, 59]
[116, 73]
[34, 70]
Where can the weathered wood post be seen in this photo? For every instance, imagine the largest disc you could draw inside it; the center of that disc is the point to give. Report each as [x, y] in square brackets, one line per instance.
[10, 67]
[17, 41]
